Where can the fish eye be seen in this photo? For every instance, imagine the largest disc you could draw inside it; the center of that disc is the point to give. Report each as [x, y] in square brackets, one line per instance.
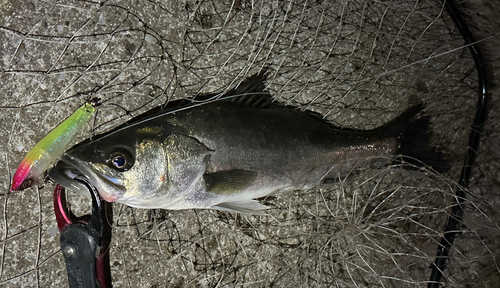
[120, 160]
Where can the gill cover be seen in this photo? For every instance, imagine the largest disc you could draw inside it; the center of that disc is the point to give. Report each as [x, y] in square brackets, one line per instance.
[187, 161]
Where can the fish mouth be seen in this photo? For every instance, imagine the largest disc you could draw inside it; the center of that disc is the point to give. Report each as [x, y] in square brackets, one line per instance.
[66, 172]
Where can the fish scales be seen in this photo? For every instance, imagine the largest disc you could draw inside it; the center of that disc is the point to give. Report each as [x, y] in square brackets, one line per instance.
[284, 142]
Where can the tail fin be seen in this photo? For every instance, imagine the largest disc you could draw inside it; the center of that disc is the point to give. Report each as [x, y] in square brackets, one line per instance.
[413, 141]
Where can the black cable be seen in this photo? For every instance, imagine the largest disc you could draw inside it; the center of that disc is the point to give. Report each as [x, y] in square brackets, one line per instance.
[453, 225]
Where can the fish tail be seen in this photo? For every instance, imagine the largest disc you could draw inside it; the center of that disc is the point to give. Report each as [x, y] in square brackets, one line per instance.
[413, 141]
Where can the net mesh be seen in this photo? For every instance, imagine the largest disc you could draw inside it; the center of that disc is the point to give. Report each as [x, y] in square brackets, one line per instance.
[357, 63]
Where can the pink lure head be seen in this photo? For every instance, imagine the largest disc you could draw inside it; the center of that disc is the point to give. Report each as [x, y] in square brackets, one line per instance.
[22, 177]
[47, 150]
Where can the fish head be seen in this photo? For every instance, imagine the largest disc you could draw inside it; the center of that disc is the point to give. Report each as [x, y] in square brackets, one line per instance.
[121, 165]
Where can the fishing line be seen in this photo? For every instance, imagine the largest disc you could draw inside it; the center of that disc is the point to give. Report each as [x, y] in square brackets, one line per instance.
[452, 227]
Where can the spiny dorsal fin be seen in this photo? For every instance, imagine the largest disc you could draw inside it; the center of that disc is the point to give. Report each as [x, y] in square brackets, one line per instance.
[256, 100]
[252, 84]
[251, 93]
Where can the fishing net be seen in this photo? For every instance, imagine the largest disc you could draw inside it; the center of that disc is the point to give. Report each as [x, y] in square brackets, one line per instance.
[357, 63]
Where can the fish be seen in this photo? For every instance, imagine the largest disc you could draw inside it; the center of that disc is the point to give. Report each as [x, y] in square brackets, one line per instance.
[48, 150]
[226, 154]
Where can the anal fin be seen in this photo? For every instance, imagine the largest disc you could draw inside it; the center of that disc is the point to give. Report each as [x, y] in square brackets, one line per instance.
[246, 206]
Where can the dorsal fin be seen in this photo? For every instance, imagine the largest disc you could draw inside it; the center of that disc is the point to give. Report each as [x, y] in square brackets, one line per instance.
[261, 100]
[251, 93]
[251, 85]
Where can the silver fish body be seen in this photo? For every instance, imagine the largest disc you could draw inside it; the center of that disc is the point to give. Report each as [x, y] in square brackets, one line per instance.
[224, 155]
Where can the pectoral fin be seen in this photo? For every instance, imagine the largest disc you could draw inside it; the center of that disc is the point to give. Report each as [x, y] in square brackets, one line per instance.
[229, 182]
[247, 207]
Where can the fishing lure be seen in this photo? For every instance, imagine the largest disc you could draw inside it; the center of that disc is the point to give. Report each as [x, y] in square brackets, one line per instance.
[51, 147]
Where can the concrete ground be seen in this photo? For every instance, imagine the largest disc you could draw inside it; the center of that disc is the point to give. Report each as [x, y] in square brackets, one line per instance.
[358, 63]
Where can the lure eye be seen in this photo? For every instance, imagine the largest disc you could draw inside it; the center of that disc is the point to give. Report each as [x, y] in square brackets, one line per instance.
[26, 184]
[120, 161]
